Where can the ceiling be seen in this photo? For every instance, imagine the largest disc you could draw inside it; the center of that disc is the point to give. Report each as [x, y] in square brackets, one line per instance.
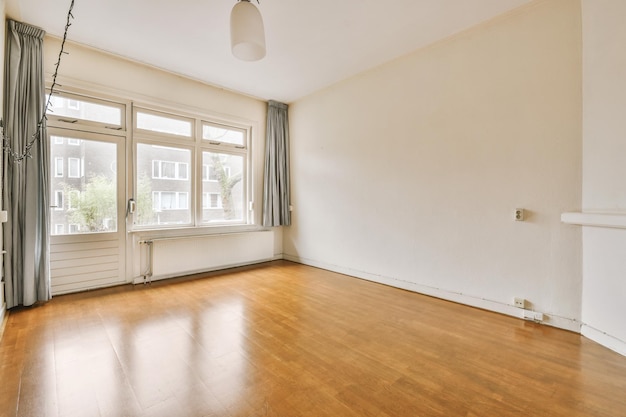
[310, 44]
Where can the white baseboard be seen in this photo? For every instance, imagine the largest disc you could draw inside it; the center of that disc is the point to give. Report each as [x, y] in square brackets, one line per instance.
[495, 306]
[604, 339]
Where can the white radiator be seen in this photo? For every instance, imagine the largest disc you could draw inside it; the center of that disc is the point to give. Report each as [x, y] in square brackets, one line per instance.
[169, 257]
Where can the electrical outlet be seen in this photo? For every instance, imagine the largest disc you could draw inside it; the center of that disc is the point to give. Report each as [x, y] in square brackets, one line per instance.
[519, 302]
[518, 214]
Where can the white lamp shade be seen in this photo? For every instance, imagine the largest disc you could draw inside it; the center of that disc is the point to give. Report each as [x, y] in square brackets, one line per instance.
[247, 35]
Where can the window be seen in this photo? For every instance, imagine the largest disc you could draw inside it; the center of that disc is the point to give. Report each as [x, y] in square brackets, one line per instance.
[224, 188]
[210, 173]
[73, 168]
[73, 104]
[73, 199]
[90, 202]
[161, 123]
[70, 108]
[162, 202]
[188, 170]
[211, 201]
[58, 200]
[59, 229]
[170, 200]
[221, 134]
[170, 170]
[167, 149]
[58, 166]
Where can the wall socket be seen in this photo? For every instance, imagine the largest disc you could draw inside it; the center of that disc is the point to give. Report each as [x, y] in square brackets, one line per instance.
[518, 214]
[534, 316]
[519, 302]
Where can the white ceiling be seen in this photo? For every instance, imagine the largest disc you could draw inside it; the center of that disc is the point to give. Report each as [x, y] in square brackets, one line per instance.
[310, 44]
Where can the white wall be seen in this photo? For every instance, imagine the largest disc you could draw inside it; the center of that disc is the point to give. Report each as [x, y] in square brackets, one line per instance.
[604, 170]
[409, 174]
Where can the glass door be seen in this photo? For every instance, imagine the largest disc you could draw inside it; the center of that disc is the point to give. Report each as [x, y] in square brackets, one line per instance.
[87, 210]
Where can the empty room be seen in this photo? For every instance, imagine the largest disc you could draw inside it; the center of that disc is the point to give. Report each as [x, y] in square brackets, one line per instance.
[257, 208]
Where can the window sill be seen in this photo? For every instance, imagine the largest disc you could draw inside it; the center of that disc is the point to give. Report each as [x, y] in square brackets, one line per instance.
[192, 231]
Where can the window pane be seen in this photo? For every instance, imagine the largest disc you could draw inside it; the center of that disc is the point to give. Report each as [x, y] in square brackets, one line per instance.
[218, 134]
[73, 168]
[84, 110]
[154, 123]
[163, 192]
[85, 200]
[58, 166]
[223, 192]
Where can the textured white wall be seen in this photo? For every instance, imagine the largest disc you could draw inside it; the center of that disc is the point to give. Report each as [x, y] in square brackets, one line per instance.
[604, 170]
[409, 174]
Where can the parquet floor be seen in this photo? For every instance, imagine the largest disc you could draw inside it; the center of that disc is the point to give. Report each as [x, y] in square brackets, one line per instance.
[288, 340]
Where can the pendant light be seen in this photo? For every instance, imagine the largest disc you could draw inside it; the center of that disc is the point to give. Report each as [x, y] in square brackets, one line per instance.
[247, 35]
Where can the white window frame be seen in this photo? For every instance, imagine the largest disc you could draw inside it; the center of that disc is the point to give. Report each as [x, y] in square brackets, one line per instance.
[59, 229]
[73, 141]
[196, 171]
[138, 111]
[72, 121]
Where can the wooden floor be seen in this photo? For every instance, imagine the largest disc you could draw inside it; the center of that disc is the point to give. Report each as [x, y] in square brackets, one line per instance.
[289, 340]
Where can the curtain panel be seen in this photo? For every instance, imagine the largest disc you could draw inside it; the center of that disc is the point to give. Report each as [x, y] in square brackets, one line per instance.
[276, 198]
[25, 192]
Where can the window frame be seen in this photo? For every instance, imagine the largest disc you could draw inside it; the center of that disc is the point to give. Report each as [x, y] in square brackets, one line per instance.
[197, 145]
[165, 115]
[71, 122]
[128, 106]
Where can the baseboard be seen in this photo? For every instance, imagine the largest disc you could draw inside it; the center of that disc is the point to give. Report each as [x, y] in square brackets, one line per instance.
[604, 339]
[490, 305]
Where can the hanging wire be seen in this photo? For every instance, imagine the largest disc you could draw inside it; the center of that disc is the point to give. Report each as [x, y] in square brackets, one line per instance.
[6, 145]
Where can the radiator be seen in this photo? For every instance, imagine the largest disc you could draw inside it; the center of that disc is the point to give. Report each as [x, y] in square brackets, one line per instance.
[169, 257]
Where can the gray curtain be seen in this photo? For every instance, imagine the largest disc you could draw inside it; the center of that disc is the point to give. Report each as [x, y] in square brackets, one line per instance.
[276, 197]
[25, 183]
